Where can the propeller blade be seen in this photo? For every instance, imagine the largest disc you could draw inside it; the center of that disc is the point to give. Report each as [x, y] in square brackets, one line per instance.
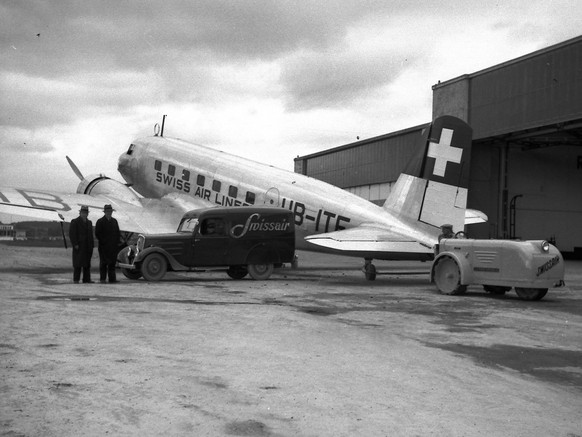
[75, 168]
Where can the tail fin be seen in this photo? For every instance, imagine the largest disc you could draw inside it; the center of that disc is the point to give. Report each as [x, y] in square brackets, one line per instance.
[433, 188]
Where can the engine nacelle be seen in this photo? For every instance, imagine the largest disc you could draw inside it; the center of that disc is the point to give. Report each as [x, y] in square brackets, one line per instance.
[97, 184]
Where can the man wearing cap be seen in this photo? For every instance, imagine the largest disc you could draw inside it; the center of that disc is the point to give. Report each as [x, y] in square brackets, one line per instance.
[107, 232]
[81, 236]
[447, 232]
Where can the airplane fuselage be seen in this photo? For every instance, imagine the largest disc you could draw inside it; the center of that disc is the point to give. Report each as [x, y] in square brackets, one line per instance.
[157, 166]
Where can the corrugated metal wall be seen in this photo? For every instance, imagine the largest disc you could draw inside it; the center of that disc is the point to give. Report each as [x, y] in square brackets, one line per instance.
[536, 91]
[373, 161]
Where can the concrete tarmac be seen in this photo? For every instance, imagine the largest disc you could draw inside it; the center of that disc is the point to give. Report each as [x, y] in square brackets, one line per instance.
[317, 351]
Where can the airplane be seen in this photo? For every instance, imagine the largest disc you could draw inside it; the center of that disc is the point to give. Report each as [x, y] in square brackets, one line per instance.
[166, 177]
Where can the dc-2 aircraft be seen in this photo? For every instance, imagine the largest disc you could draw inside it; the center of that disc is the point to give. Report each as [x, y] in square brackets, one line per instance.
[166, 177]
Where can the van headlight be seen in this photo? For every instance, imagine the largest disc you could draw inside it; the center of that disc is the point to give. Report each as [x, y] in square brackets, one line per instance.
[140, 243]
[545, 246]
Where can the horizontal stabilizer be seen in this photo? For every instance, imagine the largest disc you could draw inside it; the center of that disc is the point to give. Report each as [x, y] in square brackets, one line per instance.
[473, 216]
[368, 240]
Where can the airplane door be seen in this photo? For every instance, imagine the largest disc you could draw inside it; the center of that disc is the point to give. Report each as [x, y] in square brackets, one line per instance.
[272, 197]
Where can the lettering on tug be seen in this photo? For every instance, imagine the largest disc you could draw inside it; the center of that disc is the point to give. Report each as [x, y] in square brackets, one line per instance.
[548, 265]
[254, 223]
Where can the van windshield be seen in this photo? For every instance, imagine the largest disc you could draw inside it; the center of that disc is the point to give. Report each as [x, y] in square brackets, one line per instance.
[188, 225]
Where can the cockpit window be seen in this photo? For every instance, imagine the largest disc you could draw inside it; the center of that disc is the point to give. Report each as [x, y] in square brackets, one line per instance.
[188, 225]
[130, 150]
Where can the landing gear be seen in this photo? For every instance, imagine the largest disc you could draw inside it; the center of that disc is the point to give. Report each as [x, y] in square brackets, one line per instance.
[369, 270]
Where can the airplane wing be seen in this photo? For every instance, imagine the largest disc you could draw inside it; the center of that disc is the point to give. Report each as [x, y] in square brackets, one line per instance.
[370, 241]
[141, 216]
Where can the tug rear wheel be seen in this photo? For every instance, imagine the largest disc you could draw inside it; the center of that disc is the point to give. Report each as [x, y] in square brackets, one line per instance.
[531, 293]
[447, 276]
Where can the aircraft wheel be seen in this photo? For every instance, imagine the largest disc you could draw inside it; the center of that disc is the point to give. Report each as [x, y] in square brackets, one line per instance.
[131, 274]
[496, 289]
[260, 272]
[154, 267]
[531, 293]
[370, 272]
[447, 277]
[237, 272]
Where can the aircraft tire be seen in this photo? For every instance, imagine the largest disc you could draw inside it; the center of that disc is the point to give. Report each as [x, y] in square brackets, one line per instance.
[154, 267]
[531, 293]
[131, 274]
[260, 272]
[447, 277]
[237, 272]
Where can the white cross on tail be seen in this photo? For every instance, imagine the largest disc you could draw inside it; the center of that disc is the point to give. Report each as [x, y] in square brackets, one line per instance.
[443, 153]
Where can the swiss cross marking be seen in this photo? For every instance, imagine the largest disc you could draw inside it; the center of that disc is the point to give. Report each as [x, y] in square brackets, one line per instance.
[443, 153]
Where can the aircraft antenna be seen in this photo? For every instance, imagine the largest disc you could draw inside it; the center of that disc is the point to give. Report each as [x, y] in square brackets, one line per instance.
[163, 122]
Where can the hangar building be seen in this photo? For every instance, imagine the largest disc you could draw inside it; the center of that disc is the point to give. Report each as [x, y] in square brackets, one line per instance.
[526, 162]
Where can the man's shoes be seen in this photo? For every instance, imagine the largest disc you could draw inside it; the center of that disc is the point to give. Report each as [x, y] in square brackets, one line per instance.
[88, 282]
[76, 282]
[102, 281]
[113, 282]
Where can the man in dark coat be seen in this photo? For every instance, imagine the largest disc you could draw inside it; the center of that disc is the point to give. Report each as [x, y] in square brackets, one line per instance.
[81, 236]
[107, 232]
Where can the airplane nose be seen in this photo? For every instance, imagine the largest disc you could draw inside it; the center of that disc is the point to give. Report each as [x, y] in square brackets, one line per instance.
[125, 167]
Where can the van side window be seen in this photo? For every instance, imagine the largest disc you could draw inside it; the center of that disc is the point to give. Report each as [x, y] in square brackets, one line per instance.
[250, 198]
[213, 226]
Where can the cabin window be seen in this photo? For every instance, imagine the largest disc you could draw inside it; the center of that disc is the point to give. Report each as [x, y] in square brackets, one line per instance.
[185, 175]
[158, 165]
[216, 186]
[171, 170]
[200, 180]
[232, 191]
[250, 198]
[130, 150]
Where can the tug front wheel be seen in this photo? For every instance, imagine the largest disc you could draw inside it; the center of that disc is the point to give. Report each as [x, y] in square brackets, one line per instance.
[447, 276]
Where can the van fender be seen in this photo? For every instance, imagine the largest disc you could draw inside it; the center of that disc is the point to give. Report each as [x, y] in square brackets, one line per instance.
[462, 262]
[172, 263]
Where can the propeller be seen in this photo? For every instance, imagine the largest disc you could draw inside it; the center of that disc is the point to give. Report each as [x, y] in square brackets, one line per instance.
[75, 168]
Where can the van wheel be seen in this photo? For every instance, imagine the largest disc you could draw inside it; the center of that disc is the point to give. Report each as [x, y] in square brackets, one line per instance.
[496, 289]
[531, 293]
[237, 272]
[260, 272]
[447, 276]
[154, 267]
[131, 274]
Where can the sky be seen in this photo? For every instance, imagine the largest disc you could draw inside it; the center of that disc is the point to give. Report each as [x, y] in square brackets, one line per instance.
[268, 80]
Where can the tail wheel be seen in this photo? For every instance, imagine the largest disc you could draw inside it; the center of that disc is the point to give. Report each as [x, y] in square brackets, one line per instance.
[154, 267]
[531, 293]
[447, 276]
[131, 274]
[237, 272]
[260, 272]
[370, 272]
